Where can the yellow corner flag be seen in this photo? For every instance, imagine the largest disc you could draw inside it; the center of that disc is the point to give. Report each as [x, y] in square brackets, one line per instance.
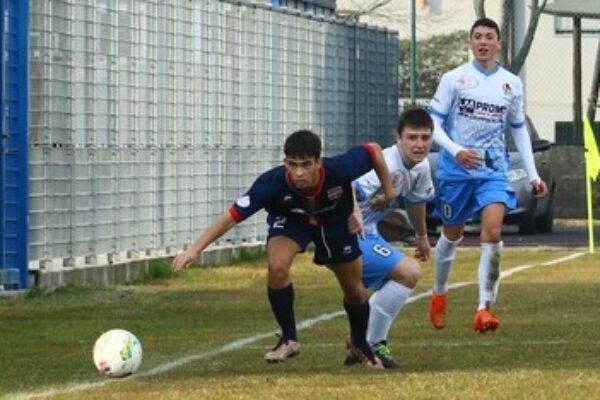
[592, 169]
[592, 158]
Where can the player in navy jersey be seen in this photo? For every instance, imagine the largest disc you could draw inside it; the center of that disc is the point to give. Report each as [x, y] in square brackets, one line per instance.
[308, 199]
[472, 107]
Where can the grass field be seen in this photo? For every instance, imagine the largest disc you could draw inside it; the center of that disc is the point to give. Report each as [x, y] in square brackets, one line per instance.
[205, 331]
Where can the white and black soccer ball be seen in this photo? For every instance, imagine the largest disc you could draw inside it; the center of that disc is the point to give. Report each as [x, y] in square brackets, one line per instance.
[117, 353]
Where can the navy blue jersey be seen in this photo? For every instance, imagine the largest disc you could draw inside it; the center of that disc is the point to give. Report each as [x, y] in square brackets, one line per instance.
[331, 202]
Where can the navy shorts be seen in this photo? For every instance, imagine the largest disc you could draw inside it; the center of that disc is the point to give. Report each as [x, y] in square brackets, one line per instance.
[333, 244]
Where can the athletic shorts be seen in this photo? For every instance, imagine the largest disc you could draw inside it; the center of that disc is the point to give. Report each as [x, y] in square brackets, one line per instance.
[333, 244]
[379, 259]
[460, 201]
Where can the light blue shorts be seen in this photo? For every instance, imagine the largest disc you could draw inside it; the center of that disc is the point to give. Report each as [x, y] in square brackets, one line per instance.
[379, 258]
[460, 201]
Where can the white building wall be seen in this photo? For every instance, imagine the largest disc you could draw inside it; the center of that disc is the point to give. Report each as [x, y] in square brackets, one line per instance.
[550, 75]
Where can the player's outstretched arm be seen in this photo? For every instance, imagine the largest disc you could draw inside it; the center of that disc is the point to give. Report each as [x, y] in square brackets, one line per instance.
[380, 167]
[416, 215]
[219, 227]
[355, 220]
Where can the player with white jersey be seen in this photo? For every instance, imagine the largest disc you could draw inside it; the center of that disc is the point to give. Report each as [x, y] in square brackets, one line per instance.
[387, 271]
[472, 108]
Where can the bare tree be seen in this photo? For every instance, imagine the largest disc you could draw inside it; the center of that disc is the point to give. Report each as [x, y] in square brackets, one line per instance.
[361, 10]
[479, 6]
[519, 60]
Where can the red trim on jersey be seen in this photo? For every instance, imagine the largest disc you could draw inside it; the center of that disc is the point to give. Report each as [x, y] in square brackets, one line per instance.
[320, 182]
[316, 189]
[371, 151]
[235, 214]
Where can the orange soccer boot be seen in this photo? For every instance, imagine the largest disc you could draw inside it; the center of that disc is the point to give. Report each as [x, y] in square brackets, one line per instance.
[485, 321]
[438, 309]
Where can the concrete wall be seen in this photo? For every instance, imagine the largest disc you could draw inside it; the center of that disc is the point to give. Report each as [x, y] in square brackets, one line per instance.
[131, 271]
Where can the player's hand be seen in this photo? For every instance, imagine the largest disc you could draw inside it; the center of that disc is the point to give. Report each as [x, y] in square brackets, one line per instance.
[423, 250]
[540, 189]
[379, 202]
[184, 260]
[355, 223]
[468, 158]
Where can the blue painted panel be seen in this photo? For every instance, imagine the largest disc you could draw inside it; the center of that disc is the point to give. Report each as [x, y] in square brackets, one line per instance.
[14, 194]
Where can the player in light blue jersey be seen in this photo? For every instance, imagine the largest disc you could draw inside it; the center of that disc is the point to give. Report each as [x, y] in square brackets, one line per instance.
[387, 271]
[472, 108]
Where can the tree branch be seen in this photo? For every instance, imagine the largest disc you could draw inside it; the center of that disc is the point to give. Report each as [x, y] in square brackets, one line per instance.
[593, 99]
[505, 30]
[479, 6]
[519, 60]
[354, 15]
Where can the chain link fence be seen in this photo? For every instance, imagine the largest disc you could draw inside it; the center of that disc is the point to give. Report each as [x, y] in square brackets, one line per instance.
[149, 118]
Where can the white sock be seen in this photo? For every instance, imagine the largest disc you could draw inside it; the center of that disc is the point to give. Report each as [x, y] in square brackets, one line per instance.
[489, 273]
[385, 305]
[445, 252]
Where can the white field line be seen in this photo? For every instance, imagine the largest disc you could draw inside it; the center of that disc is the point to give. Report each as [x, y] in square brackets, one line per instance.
[244, 342]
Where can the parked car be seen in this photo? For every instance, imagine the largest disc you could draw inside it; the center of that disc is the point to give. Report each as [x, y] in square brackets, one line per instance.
[531, 214]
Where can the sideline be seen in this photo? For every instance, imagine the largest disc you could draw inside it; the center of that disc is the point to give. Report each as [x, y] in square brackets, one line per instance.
[238, 344]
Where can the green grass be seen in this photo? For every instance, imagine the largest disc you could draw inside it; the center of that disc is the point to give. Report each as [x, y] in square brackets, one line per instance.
[160, 269]
[548, 345]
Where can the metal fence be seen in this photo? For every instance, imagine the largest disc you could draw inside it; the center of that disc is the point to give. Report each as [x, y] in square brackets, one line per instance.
[148, 118]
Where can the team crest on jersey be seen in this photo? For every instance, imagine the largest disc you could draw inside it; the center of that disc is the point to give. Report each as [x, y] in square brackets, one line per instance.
[287, 199]
[243, 201]
[335, 193]
[467, 82]
[506, 89]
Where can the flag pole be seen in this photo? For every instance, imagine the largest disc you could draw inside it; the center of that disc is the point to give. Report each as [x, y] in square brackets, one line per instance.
[590, 212]
[592, 170]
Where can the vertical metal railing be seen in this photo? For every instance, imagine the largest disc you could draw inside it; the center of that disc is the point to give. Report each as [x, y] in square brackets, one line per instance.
[169, 111]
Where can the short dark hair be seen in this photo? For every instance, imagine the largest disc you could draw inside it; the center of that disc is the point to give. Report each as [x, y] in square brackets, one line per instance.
[416, 117]
[490, 23]
[302, 143]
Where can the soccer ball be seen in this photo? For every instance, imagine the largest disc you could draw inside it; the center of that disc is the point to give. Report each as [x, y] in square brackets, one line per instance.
[117, 353]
